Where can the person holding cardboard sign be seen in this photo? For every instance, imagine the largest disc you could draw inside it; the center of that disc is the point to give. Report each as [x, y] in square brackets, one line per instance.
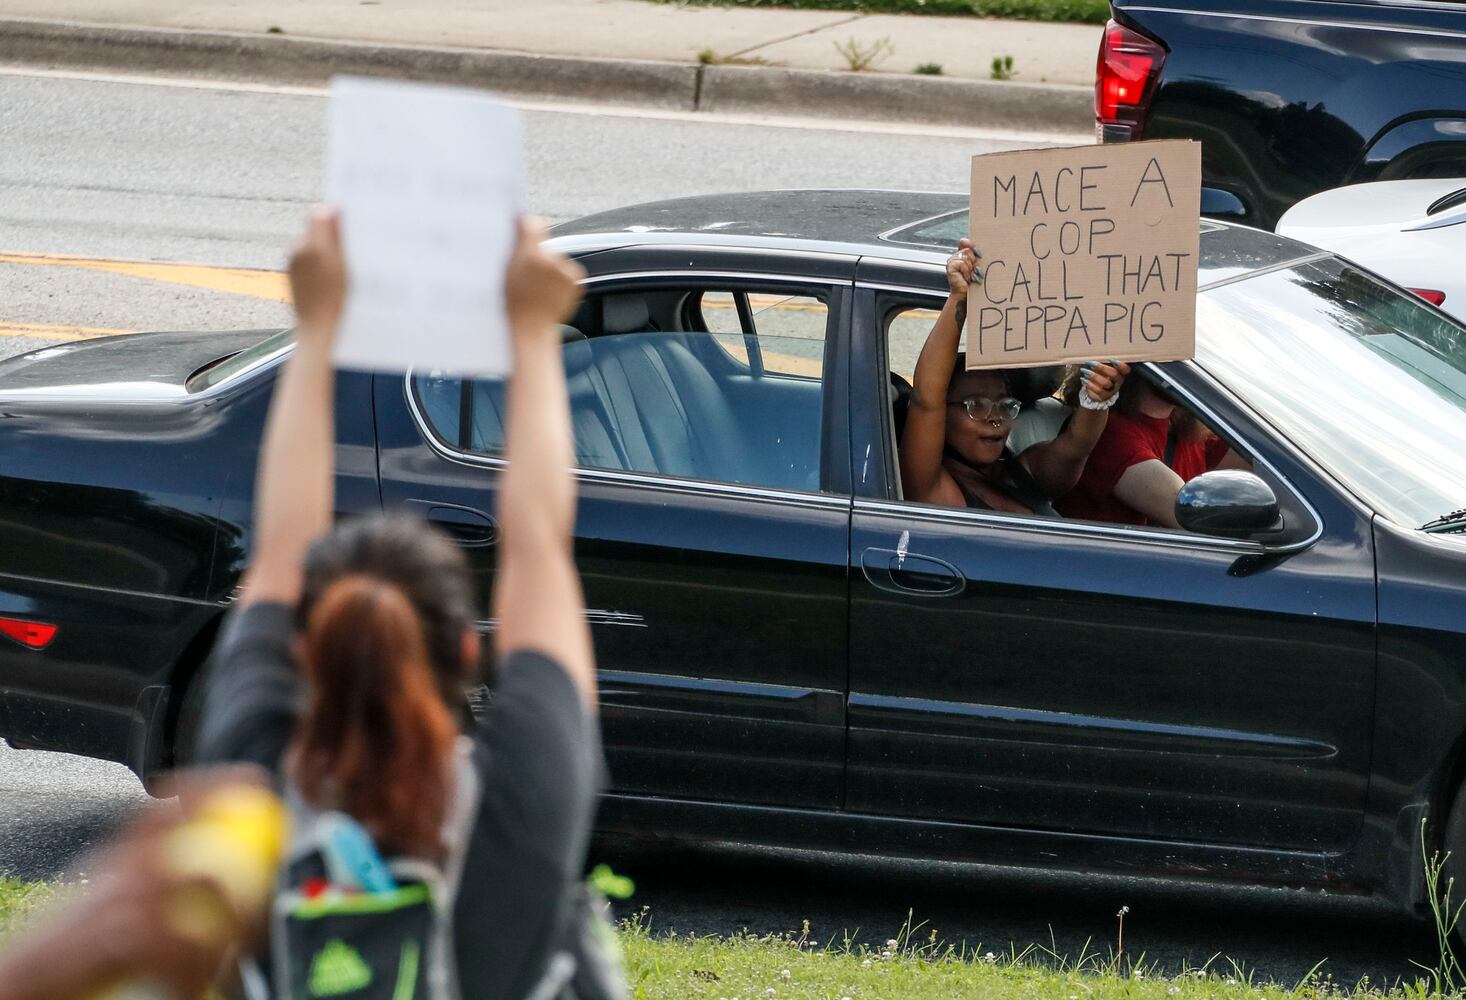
[954, 448]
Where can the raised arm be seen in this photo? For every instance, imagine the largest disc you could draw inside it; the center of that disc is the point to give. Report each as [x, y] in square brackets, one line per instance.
[537, 596]
[925, 434]
[1057, 465]
[294, 487]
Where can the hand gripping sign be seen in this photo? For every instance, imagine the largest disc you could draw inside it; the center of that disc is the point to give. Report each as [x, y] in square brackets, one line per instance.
[1087, 252]
[429, 181]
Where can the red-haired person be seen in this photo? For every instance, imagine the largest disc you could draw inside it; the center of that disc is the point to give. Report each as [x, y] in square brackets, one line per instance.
[344, 666]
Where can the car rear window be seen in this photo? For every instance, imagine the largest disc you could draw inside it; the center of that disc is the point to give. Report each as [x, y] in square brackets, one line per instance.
[226, 368]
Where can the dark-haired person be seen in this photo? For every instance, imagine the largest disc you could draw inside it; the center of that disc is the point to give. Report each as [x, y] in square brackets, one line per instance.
[954, 447]
[343, 667]
[1149, 449]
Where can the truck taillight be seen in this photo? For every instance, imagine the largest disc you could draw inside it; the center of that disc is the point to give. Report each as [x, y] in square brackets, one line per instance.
[1431, 295]
[1124, 81]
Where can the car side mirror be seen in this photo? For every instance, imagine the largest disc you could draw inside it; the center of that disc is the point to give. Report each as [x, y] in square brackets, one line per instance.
[1228, 503]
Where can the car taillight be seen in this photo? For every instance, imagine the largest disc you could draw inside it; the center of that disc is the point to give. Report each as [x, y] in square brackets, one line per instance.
[1430, 295]
[35, 635]
[1124, 82]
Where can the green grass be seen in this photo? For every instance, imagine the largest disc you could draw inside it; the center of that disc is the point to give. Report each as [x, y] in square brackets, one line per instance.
[1088, 11]
[788, 967]
[19, 900]
[908, 967]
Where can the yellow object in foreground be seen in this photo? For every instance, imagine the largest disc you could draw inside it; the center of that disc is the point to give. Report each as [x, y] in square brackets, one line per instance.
[234, 844]
[236, 839]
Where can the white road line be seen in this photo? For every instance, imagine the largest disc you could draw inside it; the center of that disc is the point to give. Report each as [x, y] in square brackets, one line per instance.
[594, 110]
[183, 83]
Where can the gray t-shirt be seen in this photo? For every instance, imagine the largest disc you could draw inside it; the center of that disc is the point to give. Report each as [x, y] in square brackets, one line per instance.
[537, 751]
[1037, 424]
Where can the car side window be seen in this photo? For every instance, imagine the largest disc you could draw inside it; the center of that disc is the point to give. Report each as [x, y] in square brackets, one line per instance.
[1043, 410]
[716, 384]
[906, 330]
[792, 327]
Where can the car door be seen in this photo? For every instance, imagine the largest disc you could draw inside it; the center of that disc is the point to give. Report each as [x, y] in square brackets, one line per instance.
[713, 521]
[1078, 678]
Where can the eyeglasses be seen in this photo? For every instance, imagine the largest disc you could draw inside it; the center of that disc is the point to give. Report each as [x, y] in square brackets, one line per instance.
[983, 408]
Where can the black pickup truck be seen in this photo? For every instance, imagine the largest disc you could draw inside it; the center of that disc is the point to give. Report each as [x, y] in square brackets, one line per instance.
[1289, 97]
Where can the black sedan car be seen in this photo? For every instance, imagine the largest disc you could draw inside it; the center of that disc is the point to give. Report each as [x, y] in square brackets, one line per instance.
[792, 653]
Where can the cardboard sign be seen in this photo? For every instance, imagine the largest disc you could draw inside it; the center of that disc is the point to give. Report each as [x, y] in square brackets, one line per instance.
[1087, 252]
[430, 183]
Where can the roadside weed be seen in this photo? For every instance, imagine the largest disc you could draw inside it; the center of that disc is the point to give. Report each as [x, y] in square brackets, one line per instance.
[1120, 934]
[709, 57]
[929, 69]
[863, 56]
[18, 900]
[1448, 976]
[1002, 67]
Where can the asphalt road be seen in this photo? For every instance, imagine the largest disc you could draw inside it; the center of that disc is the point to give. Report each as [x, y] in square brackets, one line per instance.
[115, 173]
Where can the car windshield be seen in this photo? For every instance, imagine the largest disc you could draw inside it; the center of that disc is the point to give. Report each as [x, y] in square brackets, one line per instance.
[227, 368]
[1367, 380]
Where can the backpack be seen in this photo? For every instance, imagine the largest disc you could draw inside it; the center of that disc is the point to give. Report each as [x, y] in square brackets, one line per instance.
[398, 945]
[395, 944]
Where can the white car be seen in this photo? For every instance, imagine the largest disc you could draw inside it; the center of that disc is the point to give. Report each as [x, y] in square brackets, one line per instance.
[1411, 232]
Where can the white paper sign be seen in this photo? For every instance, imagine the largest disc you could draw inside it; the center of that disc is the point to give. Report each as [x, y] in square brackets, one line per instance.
[429, 181]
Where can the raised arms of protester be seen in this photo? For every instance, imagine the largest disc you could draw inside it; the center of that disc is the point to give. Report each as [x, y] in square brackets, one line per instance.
[294, 488]
[925, 435]
[1057, 465]
[537, 595]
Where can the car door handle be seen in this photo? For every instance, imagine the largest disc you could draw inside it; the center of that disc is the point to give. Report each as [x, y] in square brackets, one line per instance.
[470, 528]
[906, 573]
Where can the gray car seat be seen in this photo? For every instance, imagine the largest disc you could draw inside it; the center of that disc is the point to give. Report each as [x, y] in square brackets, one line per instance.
[667, 411]
[640, 400]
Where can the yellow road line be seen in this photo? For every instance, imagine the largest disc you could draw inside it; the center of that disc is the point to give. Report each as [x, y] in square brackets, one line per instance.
[41, 331]
[253, 282]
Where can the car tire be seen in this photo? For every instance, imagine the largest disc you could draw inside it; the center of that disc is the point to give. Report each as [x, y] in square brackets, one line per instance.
[183, 748]
[1453, 843]
[190, 717]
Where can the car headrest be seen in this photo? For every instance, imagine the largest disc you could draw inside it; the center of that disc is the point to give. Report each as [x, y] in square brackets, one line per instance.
[569, 334]
[624, 314]
[1029, 385]
[579, 353]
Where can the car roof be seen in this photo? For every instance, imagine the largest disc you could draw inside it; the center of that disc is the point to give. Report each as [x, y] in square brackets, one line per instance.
[910, 226]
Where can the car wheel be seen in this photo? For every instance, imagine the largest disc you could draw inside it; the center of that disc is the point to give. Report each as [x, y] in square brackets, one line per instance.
[182, 751]
[1453, 849]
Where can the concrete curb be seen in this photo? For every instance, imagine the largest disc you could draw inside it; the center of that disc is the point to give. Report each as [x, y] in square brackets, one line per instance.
[1034, 107]
[284, 58]
[736, 89]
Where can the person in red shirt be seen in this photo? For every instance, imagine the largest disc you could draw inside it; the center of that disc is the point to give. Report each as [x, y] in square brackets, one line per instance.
[1150, 447]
